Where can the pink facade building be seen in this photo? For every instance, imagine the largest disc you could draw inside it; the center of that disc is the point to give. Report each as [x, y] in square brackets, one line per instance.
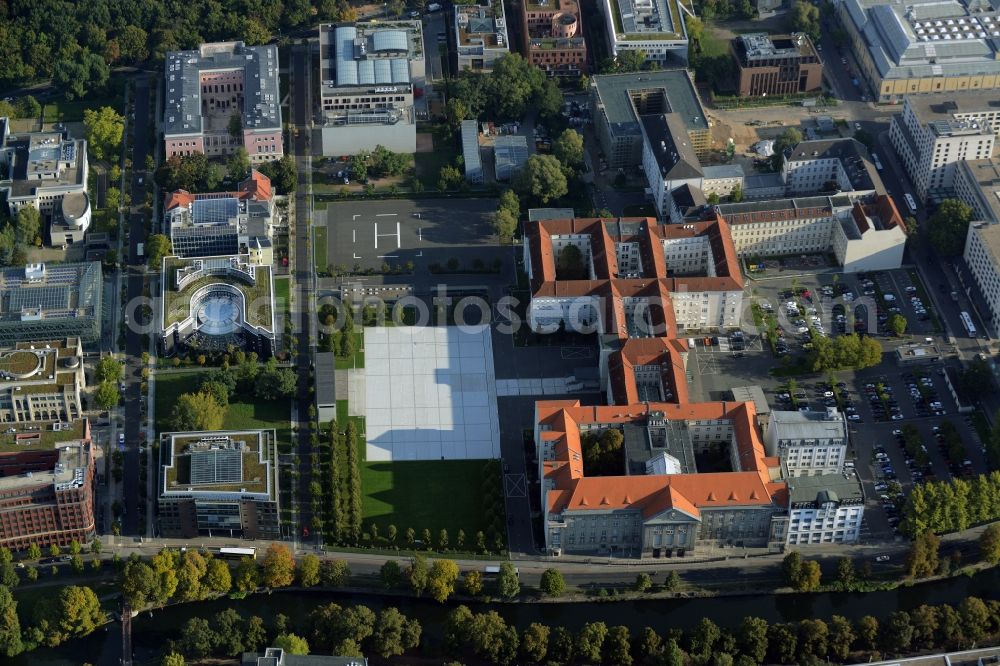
[222, 97]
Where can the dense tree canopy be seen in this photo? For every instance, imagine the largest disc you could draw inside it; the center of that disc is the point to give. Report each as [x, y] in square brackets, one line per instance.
[948, 226]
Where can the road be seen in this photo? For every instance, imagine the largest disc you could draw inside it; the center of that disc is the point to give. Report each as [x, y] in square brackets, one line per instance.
[133, 339]
[303, 275]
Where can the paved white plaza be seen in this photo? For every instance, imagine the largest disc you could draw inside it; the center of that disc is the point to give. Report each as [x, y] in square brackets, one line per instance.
[430, 394]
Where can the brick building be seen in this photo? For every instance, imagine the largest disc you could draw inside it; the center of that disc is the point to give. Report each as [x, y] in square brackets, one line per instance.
[46, 492]
[554, 36]
[777, 64]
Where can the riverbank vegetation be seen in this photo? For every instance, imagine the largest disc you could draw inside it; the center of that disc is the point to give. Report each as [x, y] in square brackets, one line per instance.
[471, 637]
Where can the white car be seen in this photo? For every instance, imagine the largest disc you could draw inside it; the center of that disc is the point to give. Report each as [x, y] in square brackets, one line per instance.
[882, 558]
[857, 126]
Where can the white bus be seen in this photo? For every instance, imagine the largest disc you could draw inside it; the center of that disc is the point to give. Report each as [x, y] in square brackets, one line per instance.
[236, 553]
[970, 328]
[910, 202]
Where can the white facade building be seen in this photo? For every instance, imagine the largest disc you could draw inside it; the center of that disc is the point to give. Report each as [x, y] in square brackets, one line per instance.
[824, 509]
[934, 133]
[655, 27]
[982, 257]
[808, 443]
[46, 170]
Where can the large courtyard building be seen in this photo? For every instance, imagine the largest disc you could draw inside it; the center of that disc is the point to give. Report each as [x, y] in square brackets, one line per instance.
[370, 74]
[46, 170]
[619, 103]
[777, 65]
[655, 27]
[923, 46]
[825, 509]
[219, 484]
[554, 39]
[636, 279]
[223, 223]
[46, 491]
[982, 259]
[221, 97]
[210, 303]
[50, 302]
[480, 35]
[809, 443]
[934, 134]
[42, 381]
[657, 515]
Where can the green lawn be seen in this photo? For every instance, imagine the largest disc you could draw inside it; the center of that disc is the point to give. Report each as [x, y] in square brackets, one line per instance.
[243, 413]
[358, 361]
[61, 110]
[425, 494]
[319, 249]
[282, 298]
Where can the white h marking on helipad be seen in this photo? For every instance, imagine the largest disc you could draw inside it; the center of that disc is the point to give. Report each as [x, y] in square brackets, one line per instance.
[398, 235]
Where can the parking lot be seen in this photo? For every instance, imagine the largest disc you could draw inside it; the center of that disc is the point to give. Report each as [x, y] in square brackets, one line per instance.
[882, 403]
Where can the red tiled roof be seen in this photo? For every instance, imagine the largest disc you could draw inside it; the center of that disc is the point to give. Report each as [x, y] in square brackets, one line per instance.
[257, 187]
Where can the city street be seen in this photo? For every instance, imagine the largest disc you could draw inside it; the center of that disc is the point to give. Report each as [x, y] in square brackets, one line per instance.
[133, 339]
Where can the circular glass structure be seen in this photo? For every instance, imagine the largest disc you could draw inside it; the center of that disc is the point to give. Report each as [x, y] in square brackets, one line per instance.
[218, 314]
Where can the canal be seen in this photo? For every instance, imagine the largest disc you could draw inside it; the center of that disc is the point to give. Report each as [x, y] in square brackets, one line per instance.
[150, 632]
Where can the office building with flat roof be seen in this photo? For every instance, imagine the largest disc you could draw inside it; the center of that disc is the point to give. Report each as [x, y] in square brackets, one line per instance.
[208, 88]
[808, 443]
[219, 484]
[42, 381]
[977, 183]
[370, 73]
[210, 303]
[278, 657]
[982, 259]
[46, 489]
[618, 102]
[47, 170]
[553, 36]
[824, 509]
[655, 27]
[480, 35]
[51, 302]
[777, 65]
[935, 133]
[223, 223]
[923, 46]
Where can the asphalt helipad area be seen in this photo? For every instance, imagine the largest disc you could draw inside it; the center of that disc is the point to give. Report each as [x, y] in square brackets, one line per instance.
[369, 234]
[430, 394]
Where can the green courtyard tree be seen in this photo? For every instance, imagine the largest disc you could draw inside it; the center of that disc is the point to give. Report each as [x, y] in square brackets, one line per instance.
[107, 395]
[197, 411]
[292, 644]
[103, 129]
[568, 149]
[238, 166]
[948, 227]
[157, 246]
[28, 226]
[542, 177]
[110, 369]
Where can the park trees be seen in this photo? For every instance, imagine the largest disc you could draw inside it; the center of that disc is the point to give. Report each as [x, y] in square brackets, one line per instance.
[103, 129]
[802, 575]
[10, 626]
[218, 577]
[198, 411]
[948, 227]
[989, 544]
[394, 633]
[804, 17]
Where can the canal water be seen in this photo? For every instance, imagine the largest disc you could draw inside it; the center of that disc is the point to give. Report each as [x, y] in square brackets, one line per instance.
[151, 631]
